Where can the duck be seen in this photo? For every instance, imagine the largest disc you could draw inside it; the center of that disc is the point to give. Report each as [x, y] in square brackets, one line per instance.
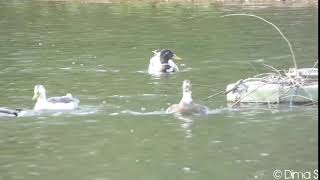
[186, 105]
[162, 62]
[9, 112]
[66, 102]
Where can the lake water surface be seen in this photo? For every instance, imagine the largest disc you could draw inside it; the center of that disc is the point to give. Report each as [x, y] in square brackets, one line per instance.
[100, 54]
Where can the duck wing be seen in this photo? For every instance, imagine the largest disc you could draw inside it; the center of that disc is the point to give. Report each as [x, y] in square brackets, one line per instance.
[173, 109]
[154, 64]
[62, 99]
[200, 109]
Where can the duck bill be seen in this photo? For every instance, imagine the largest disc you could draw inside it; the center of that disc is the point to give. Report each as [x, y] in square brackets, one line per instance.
[35, 96]
[175, 57]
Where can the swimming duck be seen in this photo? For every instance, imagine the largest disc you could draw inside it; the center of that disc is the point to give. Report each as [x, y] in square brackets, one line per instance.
[66, 102]
[186, 105]
[162, 62]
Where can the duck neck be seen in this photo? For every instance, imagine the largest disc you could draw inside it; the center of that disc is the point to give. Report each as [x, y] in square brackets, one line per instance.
[186, 98]
[42, 97]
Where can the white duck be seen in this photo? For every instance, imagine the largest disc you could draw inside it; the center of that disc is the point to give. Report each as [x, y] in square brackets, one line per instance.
[162, 62]
[54, 103]
[186, 105]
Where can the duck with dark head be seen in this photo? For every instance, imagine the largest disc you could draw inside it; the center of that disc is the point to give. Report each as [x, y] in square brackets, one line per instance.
[162, 62]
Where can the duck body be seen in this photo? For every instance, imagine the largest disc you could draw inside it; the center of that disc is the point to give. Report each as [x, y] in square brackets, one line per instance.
[162, 62]
[187, 109]
[66, 102]
[186, 105]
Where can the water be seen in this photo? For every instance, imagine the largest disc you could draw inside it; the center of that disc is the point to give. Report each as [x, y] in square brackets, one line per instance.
[100, 54]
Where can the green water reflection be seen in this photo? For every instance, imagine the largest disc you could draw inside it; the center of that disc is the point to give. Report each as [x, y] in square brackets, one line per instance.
[100, 53]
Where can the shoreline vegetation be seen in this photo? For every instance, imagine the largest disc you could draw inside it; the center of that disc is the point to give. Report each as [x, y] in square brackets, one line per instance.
[277, 3]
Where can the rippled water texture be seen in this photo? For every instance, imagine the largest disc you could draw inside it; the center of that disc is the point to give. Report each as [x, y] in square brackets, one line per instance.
[100, 54]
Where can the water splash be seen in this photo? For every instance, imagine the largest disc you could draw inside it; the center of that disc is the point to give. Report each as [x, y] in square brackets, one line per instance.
[83, 110]
[136, 113]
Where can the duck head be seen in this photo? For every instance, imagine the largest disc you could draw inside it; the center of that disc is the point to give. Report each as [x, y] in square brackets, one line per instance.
[39, 92]
[186, 86]
[166, 55]
[186, 92]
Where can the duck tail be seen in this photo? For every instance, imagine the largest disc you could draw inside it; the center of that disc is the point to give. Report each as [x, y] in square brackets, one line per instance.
[156, 51]
[9, 111]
